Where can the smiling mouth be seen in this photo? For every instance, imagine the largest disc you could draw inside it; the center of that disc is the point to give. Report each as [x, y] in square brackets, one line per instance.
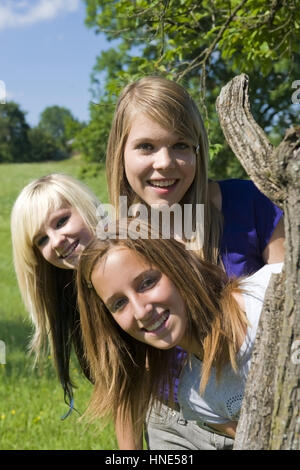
[157, 325]
[70, 250]
[162, 183]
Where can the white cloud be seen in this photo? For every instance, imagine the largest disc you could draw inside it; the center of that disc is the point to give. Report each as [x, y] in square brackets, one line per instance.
[5, 94]
[23, 13]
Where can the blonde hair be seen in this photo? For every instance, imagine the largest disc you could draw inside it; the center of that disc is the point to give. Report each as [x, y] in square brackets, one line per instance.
[170, 105]
[47, 291]
[130, 374]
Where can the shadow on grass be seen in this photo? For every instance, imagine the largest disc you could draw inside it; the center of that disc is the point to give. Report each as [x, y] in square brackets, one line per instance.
[19, 362]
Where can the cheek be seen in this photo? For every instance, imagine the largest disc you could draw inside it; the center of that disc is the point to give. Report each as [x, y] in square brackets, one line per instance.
[129, 162]
[188, 171]
[80, 230]
[123, 321]
[46, 254]
[176, 299]
[189, 166]
[135, 168]
[181, 305]
[87, 235]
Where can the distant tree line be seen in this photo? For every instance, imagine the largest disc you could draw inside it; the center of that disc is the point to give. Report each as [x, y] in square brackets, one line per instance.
[51, 139]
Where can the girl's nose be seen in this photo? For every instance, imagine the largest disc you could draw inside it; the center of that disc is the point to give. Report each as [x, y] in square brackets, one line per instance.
[142, 310]
[163, 159]
[57, 240]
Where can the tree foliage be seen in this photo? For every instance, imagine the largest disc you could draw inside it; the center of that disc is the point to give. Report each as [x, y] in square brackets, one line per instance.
[60, 124]
[48, 141]
[203, 44]
[43, 146]
[91, 140]
[14, 142]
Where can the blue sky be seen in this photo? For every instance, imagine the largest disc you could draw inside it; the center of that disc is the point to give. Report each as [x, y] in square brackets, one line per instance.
[47, 55]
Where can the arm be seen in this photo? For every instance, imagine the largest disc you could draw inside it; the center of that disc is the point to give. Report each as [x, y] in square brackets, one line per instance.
[274, 251]
[270, 228]
[228, 428]
[125, 435]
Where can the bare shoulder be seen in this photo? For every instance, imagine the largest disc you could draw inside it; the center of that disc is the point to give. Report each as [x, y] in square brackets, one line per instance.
[275, 249]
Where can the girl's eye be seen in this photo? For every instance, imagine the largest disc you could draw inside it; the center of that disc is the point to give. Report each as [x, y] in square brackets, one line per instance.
[118, 305]
[41, 241]
[181, 146]
[145, 146]
[149, 282]
[62, 220]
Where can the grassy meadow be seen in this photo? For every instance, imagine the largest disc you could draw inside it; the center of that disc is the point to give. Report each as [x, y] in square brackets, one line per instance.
[31, 400]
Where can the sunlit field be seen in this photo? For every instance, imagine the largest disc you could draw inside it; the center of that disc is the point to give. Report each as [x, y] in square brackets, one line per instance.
[31, 400]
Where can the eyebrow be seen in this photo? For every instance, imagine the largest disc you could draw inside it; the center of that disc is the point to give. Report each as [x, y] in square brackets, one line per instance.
[175, 137]
[143, 139]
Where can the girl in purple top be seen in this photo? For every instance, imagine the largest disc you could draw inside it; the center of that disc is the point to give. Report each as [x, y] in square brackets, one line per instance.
[250, 219]
[158, 155]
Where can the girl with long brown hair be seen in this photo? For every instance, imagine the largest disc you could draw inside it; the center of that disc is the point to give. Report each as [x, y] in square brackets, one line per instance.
[139, 298]
[158, 154]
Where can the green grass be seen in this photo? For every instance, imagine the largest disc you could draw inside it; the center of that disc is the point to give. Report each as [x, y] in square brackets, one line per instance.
[31, 400]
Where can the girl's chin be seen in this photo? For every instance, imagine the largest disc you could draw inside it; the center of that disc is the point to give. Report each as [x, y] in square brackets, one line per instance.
[165, 345]
[71, 264]
[155, 202]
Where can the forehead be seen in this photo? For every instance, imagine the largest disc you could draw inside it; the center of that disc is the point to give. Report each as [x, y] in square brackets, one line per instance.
[116, 269]
[144, 126]
[120, 258]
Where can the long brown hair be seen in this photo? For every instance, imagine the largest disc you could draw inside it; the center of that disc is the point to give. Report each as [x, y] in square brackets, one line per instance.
[130, 374]
[169, 104]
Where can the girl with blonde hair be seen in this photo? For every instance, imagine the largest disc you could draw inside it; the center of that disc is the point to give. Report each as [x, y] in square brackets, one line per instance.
[53, 219]
[157, 154]
[139, 298]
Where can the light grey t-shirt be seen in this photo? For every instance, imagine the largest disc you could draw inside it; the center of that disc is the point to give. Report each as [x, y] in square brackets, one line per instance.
[221, 402]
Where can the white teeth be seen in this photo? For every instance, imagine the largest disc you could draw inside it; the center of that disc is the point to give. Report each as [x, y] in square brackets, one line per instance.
[162, 183]
[159, 322]
[70, 250]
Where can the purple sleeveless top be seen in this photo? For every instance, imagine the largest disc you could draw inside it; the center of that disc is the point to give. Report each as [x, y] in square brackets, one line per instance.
[249, 221]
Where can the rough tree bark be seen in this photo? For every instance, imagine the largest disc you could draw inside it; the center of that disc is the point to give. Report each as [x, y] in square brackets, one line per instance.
[270, 415]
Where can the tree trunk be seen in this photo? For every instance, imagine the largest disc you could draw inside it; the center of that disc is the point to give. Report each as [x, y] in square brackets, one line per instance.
[270, 414]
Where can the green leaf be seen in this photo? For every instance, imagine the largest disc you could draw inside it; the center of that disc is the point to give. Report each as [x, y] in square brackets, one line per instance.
[264, 47]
